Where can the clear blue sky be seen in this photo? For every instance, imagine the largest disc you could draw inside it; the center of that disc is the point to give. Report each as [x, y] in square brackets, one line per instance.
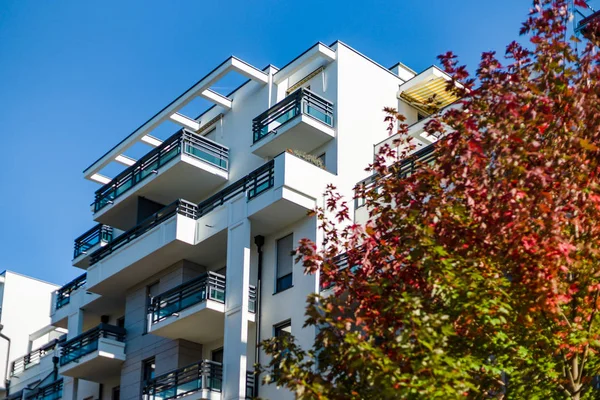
[76, 77]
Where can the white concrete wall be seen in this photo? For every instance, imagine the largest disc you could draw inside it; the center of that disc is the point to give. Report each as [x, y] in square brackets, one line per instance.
[289, 304]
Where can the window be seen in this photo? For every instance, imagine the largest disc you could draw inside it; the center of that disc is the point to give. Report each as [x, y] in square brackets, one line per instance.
[285, 261]
[284, 329]
[217, 355]
[116, 393]
[148, 370]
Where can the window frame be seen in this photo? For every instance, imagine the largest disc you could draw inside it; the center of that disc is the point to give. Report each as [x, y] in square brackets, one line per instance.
[287, 278]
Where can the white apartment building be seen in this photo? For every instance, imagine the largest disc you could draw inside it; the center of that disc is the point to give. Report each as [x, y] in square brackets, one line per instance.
[190, 265]
[24, 305]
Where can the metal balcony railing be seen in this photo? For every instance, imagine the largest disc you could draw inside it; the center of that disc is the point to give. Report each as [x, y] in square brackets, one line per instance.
[87, 342]
[33, 358]
[181, 207]
[63, 295]
[99, 233]
[302, 101]
[52, 391]
[250, 384]
[252, 299]
[203, 375]
[408, 166]
[184, 141]
[253, 184]
[208, 286]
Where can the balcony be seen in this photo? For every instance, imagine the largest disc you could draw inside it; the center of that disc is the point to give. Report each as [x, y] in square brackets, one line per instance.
[92, 240]
[33, 360]
[52, 391]
[185, 165]
[278, 193]
[425, 155]
[177, 313]
[63, 295]
[94, 355]
[296, 187]
[155, 243]
[302, 121]
[202, 380]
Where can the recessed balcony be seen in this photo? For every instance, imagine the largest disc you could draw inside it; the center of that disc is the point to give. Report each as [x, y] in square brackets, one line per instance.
[89, 242]
[302, 121]
[185, 165]
[177, 313]
[95, 355]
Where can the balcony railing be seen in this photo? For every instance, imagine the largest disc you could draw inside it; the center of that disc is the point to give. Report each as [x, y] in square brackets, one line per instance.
[87, 342]
[183, 141]
[209, 286]
[408, 166]
[302, 101]
[98, 234]
[252, 299]
[52, 391]
[63, 295]
[204, 375]
[181, 207]
[33, 358]
[250, 384]
[254, 183]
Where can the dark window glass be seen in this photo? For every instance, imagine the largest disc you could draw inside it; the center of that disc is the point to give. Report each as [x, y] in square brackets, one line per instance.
[282, 330]
[148, 369]
[285, 262]
[116, 393]
[217, 355]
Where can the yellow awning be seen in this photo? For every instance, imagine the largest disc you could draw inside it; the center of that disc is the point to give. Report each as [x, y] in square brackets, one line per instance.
[428, 90]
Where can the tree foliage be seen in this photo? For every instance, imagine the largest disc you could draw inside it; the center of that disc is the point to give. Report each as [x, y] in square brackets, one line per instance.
[478, 275]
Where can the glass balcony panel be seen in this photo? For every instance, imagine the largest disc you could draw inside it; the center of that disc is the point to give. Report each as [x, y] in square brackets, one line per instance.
[193, 298]
[318, 114]
[203, 155]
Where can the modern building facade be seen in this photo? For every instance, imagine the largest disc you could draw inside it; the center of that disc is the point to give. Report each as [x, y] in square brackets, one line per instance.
[190, 264]
[24, 305]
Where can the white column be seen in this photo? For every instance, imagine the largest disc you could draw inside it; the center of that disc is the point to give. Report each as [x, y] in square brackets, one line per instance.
[69, 388]
[236, 302]
[75, 327]
[75, 323]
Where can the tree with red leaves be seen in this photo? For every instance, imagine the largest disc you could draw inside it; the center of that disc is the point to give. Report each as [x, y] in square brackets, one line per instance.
[477, 276]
